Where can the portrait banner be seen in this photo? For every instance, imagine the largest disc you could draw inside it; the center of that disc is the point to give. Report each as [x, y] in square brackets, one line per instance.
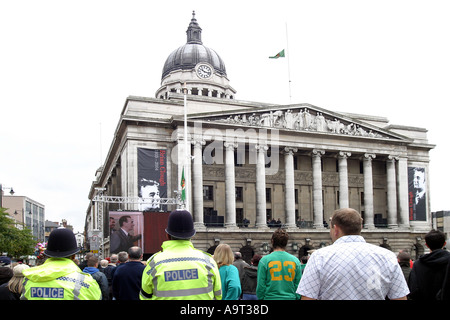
[152, 178]
[417, 194]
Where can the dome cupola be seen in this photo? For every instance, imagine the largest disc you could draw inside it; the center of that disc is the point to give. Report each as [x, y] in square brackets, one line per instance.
[194, 32]
[200, 67]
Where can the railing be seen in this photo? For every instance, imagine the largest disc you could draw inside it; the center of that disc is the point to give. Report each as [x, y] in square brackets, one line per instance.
[301, 225]
[116, 199]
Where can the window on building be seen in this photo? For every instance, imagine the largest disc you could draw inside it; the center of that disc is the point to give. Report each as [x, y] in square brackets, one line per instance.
[269, 214]
[268, 195]
[239, 216]
[239, 194]
[208, 193]
[239, 158]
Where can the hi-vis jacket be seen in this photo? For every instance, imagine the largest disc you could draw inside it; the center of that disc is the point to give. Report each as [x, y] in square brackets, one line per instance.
[59, 279]
[180, 271]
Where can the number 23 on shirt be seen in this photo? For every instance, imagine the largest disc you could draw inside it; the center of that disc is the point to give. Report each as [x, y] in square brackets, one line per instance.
[276, 268]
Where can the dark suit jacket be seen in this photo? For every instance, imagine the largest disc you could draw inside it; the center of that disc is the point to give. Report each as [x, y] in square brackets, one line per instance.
[121, 242]
[127, 279]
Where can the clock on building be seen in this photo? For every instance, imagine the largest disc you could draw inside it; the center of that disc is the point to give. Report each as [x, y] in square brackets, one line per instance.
[204, 71]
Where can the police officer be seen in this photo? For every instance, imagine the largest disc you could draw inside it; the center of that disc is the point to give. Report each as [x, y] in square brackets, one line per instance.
[180, 271]
[59, 278]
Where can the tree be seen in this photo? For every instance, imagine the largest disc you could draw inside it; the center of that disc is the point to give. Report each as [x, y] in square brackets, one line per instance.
[16, 242]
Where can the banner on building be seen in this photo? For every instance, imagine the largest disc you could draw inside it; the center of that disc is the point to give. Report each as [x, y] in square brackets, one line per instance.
[152, 178]
[417, 193]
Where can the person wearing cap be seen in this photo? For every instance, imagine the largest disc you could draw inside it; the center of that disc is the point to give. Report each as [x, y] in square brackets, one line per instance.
[14, 287]
[59, 278]
[6, 272]
[180, 271]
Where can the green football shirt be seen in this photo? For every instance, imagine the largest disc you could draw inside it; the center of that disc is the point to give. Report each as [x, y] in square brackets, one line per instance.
[278, 276]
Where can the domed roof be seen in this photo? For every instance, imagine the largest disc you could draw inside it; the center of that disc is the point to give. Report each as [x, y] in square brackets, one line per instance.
[189, 55]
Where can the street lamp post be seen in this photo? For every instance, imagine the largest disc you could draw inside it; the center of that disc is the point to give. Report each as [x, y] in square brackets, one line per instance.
[11, 192]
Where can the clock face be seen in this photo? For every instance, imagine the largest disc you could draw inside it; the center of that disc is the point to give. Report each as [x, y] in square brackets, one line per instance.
[204, 71]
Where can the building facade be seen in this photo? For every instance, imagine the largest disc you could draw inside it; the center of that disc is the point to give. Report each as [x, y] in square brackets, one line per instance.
[52, 225]
[26, 212]
[441, 221]
[249, 166]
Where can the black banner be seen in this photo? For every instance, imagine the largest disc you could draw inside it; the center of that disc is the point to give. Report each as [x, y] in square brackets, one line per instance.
[417, 193]
[152, 178]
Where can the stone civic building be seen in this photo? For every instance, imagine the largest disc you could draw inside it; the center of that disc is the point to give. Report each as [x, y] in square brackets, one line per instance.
[250, 166]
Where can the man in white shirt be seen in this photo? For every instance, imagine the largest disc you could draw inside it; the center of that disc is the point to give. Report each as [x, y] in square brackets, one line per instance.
[351, 268]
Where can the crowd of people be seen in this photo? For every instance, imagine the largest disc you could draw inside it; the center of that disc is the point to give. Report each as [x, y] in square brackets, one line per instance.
[349, 269]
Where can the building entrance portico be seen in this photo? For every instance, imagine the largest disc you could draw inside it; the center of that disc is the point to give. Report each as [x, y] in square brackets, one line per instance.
[285, 168]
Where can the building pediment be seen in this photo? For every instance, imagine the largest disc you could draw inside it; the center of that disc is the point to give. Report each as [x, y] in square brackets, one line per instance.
[301, 117]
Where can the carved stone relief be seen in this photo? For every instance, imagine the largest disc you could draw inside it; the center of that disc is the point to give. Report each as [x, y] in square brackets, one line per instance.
[301, 119]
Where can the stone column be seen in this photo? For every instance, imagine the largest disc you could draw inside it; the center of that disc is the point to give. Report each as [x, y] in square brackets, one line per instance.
[391, 182]
[368, 191]
[197, 184]
[261, 219]
[343, 179]
[230, 186]
[402, 187]
[317, 188]
[289, 187]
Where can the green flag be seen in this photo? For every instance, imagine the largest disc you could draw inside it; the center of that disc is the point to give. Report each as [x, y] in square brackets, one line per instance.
[278, 55]
[183, 187]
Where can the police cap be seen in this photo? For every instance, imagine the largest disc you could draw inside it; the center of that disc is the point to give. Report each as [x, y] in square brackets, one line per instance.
[61, 243]
[180, 224]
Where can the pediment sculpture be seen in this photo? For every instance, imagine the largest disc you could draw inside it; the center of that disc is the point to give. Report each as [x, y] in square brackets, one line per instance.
[301, 119]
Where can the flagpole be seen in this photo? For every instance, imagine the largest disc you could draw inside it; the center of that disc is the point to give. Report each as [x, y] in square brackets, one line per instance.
[289, 68]
[187, 157]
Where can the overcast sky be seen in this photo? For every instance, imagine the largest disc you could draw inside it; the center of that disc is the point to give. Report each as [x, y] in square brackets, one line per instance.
[67, 67]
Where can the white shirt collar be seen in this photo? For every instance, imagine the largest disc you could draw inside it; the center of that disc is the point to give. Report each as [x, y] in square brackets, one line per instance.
[351, 238]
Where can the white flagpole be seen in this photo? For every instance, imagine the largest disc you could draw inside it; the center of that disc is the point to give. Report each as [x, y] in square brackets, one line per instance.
[187, 157]
[289, 71]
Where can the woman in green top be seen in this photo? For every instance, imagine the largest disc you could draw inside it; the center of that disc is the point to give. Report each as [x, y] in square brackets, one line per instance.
[229, 274]
[279, 272]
